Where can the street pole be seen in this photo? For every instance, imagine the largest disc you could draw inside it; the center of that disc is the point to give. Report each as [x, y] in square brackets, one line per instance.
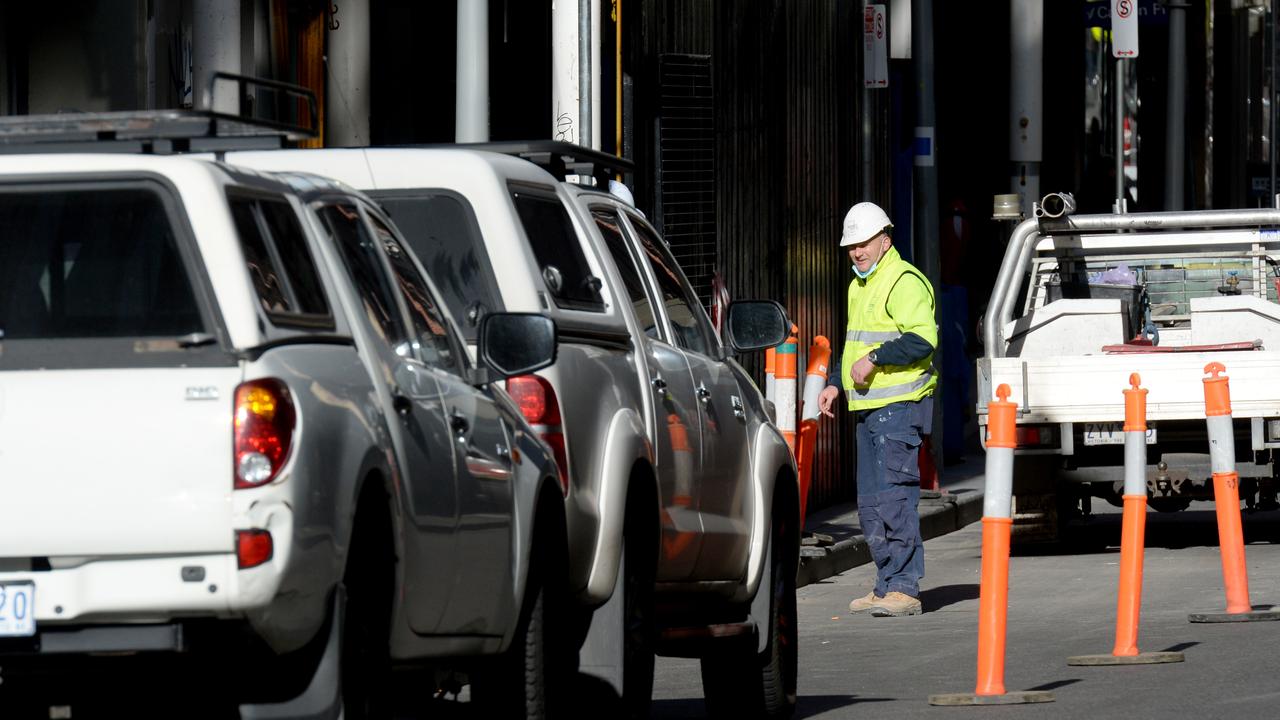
[347, 102]
[1175, 116]
[1026, 101]
[215, 47]
[1119, 99]
[925, 179]
[471, 109]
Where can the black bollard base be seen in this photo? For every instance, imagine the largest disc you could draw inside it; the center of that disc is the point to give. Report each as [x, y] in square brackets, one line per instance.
[1260, 613]
[1146, 658]
[1017, 697]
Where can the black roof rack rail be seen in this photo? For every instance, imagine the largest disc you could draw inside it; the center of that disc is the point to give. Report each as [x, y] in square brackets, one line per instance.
[164, 132]
[559, 158]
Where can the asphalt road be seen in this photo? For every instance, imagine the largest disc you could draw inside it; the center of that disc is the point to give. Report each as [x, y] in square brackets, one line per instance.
[1061, 603]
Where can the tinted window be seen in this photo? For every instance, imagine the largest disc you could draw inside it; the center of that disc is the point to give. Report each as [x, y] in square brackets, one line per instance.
[611, 229]
[91, 263]
[441, 230]
[558, 251]
[361, 258]
[681, 306]
[276, 255]
[424, 313]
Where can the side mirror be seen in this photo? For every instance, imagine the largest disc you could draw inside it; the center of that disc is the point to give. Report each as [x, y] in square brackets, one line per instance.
[756, 325]
[516, 343]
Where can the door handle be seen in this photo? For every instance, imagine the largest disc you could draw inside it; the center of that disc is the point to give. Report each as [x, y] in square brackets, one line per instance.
[401, 403]
[703, 393]
[659, 384]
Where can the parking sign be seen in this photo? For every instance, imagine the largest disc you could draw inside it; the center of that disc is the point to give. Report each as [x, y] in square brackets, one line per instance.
[1124, 28]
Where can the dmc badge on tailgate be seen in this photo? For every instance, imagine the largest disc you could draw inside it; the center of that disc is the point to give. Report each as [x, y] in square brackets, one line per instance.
[205, 392]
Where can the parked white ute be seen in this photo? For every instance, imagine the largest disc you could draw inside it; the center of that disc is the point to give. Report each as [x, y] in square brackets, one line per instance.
[228, 462]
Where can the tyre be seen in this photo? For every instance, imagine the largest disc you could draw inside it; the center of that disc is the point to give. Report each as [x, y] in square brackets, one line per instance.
[529, 680]
[369, 585]
[741, 682]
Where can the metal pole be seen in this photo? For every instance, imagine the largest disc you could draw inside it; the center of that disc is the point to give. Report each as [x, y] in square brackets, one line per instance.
[925, 180]
[215, 46]
[471, 109]
[1026, 98]
[1118, 94]
[347, 102]
[584, 73]
[1176, 115]
[1275, 126]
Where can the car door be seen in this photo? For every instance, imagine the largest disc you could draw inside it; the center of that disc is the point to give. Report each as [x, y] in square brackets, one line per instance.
[418, 424]
[724, 472]
[674, 422]
[481, 599]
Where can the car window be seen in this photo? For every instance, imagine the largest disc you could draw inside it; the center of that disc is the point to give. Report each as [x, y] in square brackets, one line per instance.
[97, 262]
[276, 256]
[682, 307]
[559, 252]
[429, 325]
[441, 230]
[610, 227]
[356, 245]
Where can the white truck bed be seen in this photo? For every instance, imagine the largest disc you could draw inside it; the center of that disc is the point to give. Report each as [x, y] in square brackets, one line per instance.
[1089, 388]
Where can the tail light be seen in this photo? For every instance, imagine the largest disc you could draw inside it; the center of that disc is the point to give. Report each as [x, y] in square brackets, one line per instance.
[537, 402]
[253, 548]
[1030, 436]
[264, 424]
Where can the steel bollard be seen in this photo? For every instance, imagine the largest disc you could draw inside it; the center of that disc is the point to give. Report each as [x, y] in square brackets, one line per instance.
[1132, 541]
[993, 600]
[1226, 500]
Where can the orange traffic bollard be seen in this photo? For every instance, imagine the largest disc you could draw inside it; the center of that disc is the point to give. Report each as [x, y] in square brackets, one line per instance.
[785, 391]
[815, 380]
[993, 599]
[770, 378]
[1132, 541]
[1226, 499]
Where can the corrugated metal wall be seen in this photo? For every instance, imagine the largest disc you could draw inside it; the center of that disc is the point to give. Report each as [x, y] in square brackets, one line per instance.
[790, 158]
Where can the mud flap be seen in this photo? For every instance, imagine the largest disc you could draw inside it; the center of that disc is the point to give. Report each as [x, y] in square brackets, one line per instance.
[601, 655]
[322, 700]
[762, 603]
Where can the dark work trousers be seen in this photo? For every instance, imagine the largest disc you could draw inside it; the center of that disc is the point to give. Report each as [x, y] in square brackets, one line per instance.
[889, 490]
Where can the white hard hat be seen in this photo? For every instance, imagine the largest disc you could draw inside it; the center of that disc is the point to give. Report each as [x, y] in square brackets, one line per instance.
[864, 221]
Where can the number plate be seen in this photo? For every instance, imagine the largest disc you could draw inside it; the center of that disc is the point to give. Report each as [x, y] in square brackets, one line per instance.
[17, 610]
[1111, 434]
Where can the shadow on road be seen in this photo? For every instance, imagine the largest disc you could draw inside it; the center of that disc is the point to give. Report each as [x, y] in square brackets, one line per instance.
[1056, 684]
[940, 597]
[806, 705]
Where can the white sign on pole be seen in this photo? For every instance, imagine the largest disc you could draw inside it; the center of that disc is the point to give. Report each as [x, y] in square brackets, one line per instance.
[1124, 28]
[875, 47]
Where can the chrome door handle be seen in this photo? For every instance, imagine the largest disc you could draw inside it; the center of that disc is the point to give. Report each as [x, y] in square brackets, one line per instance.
[659, 384]
[703, 393]
[738, 411]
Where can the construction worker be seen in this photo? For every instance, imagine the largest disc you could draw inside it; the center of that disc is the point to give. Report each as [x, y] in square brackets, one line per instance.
[888, 380]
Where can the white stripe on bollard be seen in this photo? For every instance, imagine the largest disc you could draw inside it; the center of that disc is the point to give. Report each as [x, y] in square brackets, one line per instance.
[998, 500]
[1135, 462]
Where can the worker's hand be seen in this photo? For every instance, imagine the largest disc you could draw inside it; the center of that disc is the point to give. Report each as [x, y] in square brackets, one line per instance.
[826, 399]
[861, 371]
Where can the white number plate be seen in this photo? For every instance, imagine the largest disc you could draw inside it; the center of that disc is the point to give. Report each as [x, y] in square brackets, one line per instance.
[1111, 434]
[17, 610]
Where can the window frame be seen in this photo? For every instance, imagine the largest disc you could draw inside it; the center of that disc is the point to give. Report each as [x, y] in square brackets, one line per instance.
[637, 264]
[549, 194]
[279, 319]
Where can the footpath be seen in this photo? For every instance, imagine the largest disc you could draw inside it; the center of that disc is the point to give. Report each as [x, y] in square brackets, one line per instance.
[960, 504]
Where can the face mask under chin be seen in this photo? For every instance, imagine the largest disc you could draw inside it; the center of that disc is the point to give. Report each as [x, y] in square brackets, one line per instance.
[864, 275]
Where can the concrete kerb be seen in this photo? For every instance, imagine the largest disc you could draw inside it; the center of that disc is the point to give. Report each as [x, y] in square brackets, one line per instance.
[956, 509]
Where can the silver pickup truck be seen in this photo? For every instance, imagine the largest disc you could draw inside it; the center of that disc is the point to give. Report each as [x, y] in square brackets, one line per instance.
[680, 495]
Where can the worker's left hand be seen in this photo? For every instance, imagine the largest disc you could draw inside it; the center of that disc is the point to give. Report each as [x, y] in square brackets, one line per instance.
[861, 371]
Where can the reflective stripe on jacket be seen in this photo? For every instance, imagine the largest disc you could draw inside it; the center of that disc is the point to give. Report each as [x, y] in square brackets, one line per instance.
[871, 325]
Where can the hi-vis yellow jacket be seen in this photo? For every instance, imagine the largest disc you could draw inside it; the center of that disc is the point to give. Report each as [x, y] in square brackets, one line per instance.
[876, 318]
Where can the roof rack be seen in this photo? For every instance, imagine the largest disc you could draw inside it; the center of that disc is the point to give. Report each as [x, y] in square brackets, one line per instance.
[559, 158]
[164, 132]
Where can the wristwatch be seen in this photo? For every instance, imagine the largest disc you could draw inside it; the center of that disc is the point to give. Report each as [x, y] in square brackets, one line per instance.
[872, 357]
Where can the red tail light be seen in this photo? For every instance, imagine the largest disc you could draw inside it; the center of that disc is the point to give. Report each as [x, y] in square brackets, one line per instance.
[1035, 435]
[253, 548]
[264, 424]
[537, 402]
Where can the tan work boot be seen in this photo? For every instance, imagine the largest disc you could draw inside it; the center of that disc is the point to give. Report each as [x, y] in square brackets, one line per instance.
[864, 603]
[896, 604]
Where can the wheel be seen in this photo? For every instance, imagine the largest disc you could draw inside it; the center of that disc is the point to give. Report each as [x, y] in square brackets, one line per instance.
[740, 682]
[530, 678]
[369, 585]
